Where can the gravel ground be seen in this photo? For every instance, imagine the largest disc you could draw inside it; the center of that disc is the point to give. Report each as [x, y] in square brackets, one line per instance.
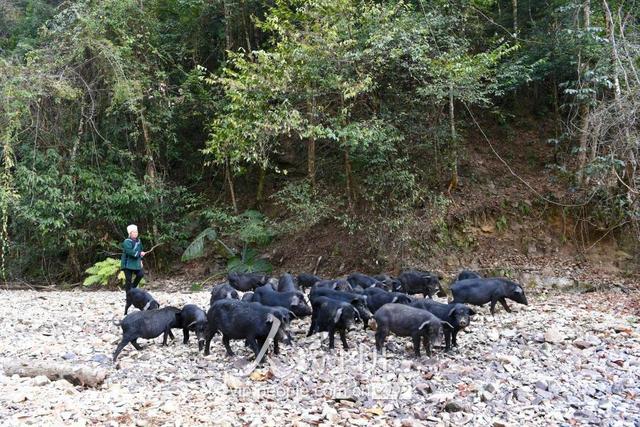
[562, 360]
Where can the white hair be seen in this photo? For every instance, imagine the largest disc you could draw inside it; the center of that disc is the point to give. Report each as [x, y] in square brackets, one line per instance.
[131, 228]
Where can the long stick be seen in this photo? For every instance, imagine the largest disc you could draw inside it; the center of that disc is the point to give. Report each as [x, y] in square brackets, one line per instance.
[151, 250]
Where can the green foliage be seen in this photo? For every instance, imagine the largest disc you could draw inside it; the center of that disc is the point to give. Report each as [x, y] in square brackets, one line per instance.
[115, 112]
[304, 205]
[104, 273]
[196, 248]
[501, 223]
[248, 261]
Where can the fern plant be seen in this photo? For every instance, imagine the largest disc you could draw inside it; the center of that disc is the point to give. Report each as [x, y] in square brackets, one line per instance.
[104, 273]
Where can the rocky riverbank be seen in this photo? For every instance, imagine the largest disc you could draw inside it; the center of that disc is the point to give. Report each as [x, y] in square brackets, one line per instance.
[565, 359]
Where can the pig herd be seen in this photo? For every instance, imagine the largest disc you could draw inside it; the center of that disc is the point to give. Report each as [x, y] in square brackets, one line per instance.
[266, 306]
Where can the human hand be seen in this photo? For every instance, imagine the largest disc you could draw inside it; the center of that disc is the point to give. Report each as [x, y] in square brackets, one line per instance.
[142, 253]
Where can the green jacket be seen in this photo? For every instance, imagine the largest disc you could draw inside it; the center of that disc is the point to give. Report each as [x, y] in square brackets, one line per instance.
[131, 258]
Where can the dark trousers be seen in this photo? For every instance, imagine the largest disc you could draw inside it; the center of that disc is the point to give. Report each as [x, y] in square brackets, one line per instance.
[127, 278]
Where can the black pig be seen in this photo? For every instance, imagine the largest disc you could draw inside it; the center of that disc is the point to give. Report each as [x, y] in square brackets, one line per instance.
[307, 280]
[335, 284]
[359, 302]
[493, 290]
[293, 301]
[147, 324]
[364, 281]
[193, 318]
[286, 284]
[457, 315]
[376, 298]
[392, 283]
[466, 274]
[418, 282]
[247, 281]
[331, 315]
[140, 299]
[222, 291]
[406, 321]
[240, 320]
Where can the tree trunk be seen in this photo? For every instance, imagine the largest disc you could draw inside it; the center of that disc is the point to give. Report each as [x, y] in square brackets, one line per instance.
[453, 182]
[260, 191]
[311, 161]
[245, 24]
[151, 165]
[152, 174]
[227, 25]
[630, 166]
[584, 108]
[347, 172]
[514, 3]
[311, 146]
[77, 375]
[614, 51]
[227, 171]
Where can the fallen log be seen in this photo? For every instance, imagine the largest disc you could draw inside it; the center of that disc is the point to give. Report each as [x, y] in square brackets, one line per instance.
[76, 375]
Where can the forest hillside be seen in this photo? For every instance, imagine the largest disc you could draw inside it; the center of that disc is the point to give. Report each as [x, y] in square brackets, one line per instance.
[324, 135]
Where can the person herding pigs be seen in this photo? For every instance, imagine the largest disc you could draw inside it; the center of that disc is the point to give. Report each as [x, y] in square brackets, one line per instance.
[131, 261]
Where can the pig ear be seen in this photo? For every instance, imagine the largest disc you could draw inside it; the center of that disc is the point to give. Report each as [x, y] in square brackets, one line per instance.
[471, 312]
[191, 324]
[451, 312]
[336, 317]
[424, 324]
[292, 314]
[447, 325]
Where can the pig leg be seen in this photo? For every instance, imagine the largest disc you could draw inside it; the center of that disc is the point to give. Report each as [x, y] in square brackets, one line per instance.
[493, 306]
[225, 341]
[343, 338]
[504, 304]
[381, 334]
[136, 345]
[209, 333]
[185, 333]
[276, 347]
[253, 345]
[416, 344]
[171, 334]
[332, 333]
[447, 340]
[454, 335]
[123, 343]
[427, 345]
[312, 327]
